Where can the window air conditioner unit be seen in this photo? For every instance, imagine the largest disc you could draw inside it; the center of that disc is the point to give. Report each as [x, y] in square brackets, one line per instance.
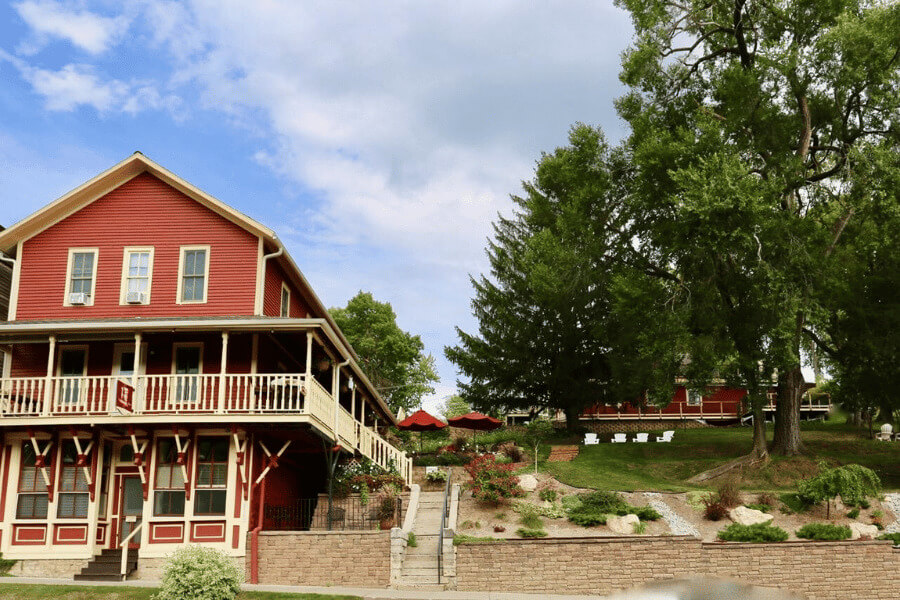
[78, 298]
[135, 297]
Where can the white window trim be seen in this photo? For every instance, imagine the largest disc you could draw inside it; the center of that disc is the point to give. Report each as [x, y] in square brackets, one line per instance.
[285, 288]
[177, 345]
[699, 396]
[62, 348]
[124, 284]
[178, 296]
[72, 252]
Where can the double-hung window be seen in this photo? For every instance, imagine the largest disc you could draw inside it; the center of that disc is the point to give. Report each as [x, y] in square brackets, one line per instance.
[212, 476]
[73, 486]
[193, 279]
[694, 398]
[32, 500]
[137, 273]
[82, 276]
[168, 498]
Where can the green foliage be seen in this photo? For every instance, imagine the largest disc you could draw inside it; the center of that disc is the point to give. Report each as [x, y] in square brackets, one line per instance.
[592, 508]
[640, 528]
[547, 328]
[438, 476]
[471, 539]
[760, 507]
[200, 573]
[794, 503]
[645, 513]
[852, 513]
[548, 495]
[492, 482]
[537, 432]
[894, 537]
[529, 516]
[853, 483]
[411, 540]
[530, 533]
[393, 359]
[6, 564]
[455, 406]
[824, 531]
[759, 533]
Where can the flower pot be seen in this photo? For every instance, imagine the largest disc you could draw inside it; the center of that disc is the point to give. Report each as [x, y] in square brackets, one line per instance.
[386, 524]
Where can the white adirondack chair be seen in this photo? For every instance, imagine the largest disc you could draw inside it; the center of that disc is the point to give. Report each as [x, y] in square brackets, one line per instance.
[642, 438]
[619, 438]
[666, 436]
[590, 439]
[886, 434]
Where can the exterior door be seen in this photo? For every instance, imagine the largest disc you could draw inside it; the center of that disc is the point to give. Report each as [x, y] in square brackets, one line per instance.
[187, 363]
[131, 509]
[72, 367]
[123, 366]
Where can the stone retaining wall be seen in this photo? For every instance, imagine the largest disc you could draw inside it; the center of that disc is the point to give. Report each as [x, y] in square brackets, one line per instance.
[358, 558]
[50, 567]
[815, 570]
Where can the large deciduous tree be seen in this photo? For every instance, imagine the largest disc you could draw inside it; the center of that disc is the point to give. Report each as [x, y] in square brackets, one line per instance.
[750, 121]
[547, 329]
[393, 359]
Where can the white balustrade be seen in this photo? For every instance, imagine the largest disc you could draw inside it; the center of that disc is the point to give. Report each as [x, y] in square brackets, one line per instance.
[247, 394]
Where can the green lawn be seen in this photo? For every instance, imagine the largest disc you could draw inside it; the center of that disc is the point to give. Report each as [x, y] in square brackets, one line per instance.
[667, 467]
[23, 591]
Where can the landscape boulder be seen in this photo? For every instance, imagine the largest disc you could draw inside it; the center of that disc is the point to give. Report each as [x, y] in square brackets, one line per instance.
[623, 525]
[749, 516]
[863, 530]
[528, 482]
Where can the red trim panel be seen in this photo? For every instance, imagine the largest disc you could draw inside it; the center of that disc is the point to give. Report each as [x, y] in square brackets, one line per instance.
[166, 533]
[235, 537]
[101, 533]
[29, 535]
[70, 534]
[208, 531]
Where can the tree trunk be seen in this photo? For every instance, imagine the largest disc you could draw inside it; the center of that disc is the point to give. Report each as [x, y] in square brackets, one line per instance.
[886, 413]
[787, 440]
[571, 419]
[760, 450]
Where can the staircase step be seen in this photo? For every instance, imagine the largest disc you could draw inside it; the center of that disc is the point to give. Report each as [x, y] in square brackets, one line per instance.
[98, 577]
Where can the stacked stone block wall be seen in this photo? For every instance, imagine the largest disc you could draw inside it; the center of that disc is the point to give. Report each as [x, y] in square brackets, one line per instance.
[602, 566]
[359, 558]
[51, 567]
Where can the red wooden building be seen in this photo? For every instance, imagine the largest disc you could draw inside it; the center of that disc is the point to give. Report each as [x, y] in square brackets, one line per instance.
[166, 366]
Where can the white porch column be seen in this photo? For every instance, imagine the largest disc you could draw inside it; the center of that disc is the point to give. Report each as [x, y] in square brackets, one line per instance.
[136, 369]
[223, 369]
[254, 354]
[309, 340]
[48, 382]
[356, 432]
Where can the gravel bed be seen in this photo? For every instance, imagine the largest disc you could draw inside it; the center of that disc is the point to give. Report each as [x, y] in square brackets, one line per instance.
[677, 525]
[892, 501]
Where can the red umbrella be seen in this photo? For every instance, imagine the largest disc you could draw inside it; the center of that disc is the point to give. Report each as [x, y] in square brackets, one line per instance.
[421, 421]
[475, 421]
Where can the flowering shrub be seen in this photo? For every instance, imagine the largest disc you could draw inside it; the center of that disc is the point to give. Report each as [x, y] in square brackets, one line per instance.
[364, 476]
[492, 482]
[199, 573]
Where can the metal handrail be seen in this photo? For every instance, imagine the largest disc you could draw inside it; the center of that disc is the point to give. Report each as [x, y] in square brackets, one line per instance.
[124, 546]
[444, 515]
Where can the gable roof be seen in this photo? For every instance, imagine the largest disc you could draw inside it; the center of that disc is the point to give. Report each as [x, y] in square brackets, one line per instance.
[109, 180]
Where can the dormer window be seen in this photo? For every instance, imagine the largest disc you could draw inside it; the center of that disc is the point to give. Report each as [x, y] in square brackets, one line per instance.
[82, 275]
[193, 281]
[137, 272]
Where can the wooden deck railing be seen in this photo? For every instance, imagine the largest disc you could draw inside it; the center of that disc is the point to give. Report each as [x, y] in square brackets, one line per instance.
[204, 394]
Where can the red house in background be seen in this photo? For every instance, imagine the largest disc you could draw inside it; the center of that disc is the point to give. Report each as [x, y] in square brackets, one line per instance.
[162, 355]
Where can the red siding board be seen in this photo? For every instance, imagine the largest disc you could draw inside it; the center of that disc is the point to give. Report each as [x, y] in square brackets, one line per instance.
[272, 296]
[142, 212]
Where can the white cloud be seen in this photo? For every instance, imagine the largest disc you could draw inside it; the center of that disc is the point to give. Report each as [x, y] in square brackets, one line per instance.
[91, 32]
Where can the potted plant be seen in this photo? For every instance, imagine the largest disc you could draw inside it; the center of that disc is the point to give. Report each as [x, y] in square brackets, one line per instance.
[387, 509]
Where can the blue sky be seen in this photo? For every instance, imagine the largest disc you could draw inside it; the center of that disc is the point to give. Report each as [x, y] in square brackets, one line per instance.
[378, 139]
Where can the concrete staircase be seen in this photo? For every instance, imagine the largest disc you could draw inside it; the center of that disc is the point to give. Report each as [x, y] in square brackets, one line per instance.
[420, 564]
[107, 566]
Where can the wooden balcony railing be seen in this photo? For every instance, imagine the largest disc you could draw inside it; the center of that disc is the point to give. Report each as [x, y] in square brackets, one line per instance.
[212, 394]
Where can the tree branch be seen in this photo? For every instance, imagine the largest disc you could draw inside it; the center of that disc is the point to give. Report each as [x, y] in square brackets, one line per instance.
[819, 342]
[838, 230]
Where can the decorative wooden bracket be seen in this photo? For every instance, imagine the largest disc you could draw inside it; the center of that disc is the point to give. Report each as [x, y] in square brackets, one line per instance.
[271, 460]
[139, 461]
[40, 461]
[240, 447]
[182, 460]
[81, 460]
